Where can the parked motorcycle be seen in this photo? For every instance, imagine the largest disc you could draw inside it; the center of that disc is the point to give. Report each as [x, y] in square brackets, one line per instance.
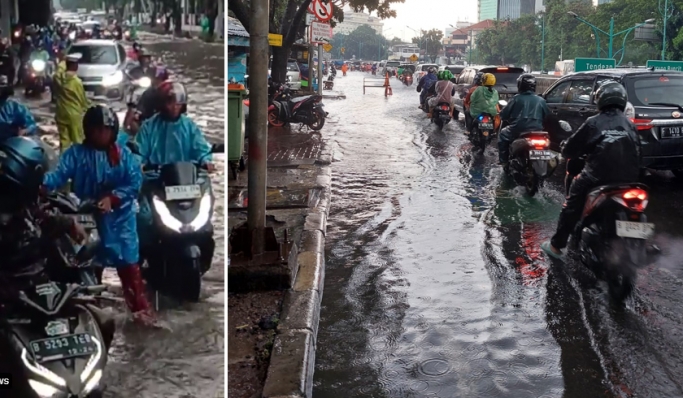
[441, 114]
[58, 341]
[612, 235]
[306, 110]
[482, 131]
[531, 160]
[182, 202]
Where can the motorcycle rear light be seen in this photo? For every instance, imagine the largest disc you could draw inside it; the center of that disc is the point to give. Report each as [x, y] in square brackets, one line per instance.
[485, 119]
[642, 124]
[633, 199]
[444, 107]
[539, 143]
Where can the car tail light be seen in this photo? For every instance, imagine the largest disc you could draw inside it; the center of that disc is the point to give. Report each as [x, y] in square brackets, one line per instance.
[635, 199]
[642, 124]
[539, 143]
[502, 69]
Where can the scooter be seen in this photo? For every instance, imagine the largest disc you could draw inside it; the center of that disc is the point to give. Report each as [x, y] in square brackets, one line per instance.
[531, 160]
[408, 80]
[36, 78]
[482, 131]
[306, 110]
[441, 114]
[58, 340]
[182, 202]
[612, 235]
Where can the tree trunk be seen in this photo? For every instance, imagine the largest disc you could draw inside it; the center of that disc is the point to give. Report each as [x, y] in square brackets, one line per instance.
[153, 22]
[278, 69]
[177, 20]
[167, 23]
[292, 25]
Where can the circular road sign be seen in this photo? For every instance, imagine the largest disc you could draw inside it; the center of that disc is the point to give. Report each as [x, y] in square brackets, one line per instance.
[322, 10]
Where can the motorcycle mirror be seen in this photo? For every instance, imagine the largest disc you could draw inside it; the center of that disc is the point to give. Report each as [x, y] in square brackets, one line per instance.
[565, 126]
[502, 103]
[218, 148]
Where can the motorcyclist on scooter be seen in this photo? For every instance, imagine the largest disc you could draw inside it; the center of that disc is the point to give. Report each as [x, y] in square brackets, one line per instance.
[476, 82]
[15, 118]
[610, 143]
[105, 172]
[484, 99]
[444, 89]
[526, 111]
[426, 83]
[148, 103]
[171, 136]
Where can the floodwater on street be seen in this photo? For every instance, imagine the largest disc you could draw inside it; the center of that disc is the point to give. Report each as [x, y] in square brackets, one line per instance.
[187, 360]
[436, 286]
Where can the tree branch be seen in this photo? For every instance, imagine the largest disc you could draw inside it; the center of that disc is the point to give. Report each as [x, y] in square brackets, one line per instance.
[296, 22]
[241, 12]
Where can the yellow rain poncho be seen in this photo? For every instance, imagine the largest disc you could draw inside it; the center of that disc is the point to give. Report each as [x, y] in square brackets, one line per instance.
[71, 104]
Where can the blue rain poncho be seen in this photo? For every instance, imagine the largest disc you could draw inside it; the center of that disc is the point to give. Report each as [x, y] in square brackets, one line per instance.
[14, 117]
[164, 142]
[94, 178]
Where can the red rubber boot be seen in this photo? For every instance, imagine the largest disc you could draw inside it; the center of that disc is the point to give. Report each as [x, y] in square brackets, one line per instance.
[134, 294]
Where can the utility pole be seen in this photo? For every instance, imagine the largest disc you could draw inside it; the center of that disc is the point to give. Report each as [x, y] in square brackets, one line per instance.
[320, 70]
[258, 122]
[542, 42]
[667, 11]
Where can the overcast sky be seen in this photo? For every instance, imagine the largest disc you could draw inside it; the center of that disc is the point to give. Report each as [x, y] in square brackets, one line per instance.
[428, 14]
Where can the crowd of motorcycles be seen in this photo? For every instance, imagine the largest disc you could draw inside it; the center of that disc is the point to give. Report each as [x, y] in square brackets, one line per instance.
[58, 332]
[611, 238]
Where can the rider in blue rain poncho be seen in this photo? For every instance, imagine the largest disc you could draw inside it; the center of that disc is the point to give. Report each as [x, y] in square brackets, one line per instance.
[15, 118]
[103, 171]
[171, 136]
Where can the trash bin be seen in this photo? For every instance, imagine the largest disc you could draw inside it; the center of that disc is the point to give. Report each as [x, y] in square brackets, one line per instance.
[236, 94]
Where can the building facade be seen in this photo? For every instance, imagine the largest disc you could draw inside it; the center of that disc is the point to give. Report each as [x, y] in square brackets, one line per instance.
[487, 9]
[352, 20]
[513, 9]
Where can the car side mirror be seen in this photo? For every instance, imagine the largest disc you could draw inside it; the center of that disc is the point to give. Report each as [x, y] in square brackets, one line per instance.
[565, 126]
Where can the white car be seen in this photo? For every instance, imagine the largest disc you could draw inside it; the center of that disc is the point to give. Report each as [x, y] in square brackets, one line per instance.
[102, 68]
[422, 70]
[293, 75]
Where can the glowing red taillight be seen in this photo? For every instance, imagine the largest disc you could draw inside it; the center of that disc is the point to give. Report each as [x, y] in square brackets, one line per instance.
[485, 119]
[642, 124]
[635, 194]
[539, 143]
[445, 108]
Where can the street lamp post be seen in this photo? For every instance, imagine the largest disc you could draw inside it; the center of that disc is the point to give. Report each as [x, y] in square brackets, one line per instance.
[611, 35]
[469, 61]
[419, 46]
[666, 12]
[542, 41]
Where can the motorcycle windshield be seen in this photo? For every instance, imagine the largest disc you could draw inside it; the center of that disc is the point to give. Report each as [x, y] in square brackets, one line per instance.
[181, 173]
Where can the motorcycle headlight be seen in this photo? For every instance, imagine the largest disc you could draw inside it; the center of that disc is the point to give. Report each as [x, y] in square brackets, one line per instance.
[145, 82]
[38, 65]
[72, 35]
[127, 34]
[42, 390]
[39, 387]
[174, 224]
[17, 34]
[113, 80]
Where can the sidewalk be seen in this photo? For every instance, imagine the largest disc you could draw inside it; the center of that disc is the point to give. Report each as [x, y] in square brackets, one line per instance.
[272, 335]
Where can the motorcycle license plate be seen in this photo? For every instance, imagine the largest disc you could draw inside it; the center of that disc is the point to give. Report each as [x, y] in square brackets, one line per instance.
[61, 347]
[636, 230]
[183, 192]
[90, 94]
[535, 154]
[485, 126]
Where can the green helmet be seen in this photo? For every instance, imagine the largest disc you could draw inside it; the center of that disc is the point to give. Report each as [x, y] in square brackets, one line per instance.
[447, 75]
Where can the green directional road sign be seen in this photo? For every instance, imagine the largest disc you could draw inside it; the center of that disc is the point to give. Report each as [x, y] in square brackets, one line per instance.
[586, 64]
[665, 65]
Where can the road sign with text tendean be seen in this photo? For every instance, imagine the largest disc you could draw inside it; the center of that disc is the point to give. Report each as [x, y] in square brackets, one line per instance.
[586, 64]
[665, 65]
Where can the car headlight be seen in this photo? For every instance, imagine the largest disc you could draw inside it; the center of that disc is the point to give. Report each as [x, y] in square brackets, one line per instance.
[145, 82]
[174, 224]
[113, 80]
[38, 65]
[127, 33]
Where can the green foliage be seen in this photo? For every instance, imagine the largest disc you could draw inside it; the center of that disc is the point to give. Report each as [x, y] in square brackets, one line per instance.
[430, 42]
[363, 42]
[519, 41]
[73, 5]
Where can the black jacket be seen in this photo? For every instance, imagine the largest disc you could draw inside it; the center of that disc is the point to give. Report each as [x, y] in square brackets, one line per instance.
[610, 143]
[525, 112]
[148, 104]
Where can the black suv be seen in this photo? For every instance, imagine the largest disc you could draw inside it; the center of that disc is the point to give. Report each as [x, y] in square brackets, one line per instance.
[506, 85]
[656, 96]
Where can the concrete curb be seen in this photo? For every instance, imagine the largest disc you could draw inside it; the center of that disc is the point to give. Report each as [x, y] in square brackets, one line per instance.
[292, 361]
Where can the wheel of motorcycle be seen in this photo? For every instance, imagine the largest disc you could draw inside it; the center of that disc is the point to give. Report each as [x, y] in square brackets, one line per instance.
[532, 183]
[273, 119]
[620, 283]
[192, 284]
[482, 142]
[438, 122]
[233, 170]
[456, 115]
[242, 164]
[319, 120]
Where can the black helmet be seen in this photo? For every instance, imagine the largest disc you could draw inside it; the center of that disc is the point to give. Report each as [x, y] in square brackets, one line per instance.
[526, 82]
[98, 116]
[23, 164]
[611, 94]
[477, 78]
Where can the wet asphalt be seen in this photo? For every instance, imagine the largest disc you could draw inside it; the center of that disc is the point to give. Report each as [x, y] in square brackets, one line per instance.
[185, 359]
[436, 286]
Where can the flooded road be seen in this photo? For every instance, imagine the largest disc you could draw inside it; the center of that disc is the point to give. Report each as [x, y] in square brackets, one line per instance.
[436, 286]
[188, 359]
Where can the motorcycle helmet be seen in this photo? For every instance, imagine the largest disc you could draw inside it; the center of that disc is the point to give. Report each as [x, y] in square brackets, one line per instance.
[173, 91]
[447, 75]
[477, 78]
[23, 164]
[100, 116]
[526, 82]
[431, 70]
[488, 80]
[611, 94]
[161, 73]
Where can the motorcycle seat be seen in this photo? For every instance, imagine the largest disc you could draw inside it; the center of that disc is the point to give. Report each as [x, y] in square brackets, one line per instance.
[299, 99]
[536, 133]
